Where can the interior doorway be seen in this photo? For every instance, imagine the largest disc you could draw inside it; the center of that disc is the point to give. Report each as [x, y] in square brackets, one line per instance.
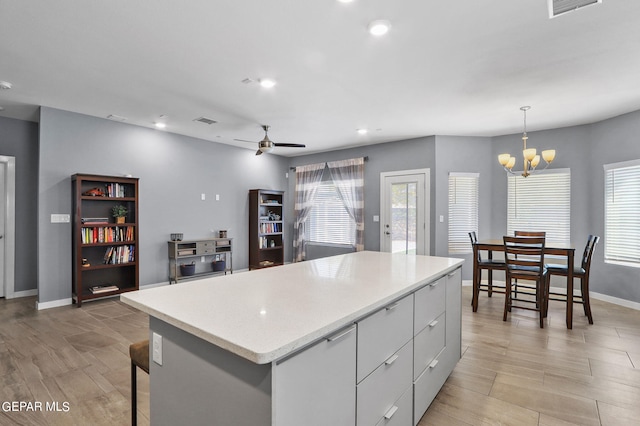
[404, 211]
[7, 225]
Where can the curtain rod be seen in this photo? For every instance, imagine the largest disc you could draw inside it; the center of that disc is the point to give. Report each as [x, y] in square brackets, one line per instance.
[366, 158]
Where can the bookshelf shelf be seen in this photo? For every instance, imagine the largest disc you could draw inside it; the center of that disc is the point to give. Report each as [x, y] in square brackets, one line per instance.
[111, 249]
[266, 228]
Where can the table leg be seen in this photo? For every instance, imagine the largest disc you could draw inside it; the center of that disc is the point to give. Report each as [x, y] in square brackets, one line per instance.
[570, 289]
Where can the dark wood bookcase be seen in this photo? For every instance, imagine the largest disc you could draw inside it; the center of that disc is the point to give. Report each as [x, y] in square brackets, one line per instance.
[105, 253]
[266, 228]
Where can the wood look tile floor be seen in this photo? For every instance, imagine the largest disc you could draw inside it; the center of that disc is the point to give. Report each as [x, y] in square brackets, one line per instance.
[511, 373]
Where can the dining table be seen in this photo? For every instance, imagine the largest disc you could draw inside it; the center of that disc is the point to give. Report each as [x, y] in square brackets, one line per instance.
[551, 248]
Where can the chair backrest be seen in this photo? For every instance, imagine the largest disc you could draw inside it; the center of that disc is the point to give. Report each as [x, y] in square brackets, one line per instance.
[588, 252]
[474, 240]
[530, 234]
[524, 255]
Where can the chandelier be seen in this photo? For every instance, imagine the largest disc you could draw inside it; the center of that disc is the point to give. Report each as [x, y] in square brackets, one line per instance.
[531, 159]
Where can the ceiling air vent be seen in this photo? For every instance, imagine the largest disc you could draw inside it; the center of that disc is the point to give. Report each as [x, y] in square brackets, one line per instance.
[205, 120]
[560, 7]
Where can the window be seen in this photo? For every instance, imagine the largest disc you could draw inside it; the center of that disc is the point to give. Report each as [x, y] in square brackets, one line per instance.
[463, 210]
[541, 202]
[329, 221]
[621, 213]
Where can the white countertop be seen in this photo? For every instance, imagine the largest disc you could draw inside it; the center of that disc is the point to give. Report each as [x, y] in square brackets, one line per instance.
[266, 314]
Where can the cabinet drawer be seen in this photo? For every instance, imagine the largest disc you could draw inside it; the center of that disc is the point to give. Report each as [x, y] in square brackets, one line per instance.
[428, 344]
[427, 386]
[377, 393]
[401, 412]
[205, 246]
[382, 334]
[430, 302]
[316, 386]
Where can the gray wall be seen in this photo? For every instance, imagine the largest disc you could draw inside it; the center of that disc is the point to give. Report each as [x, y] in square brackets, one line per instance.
[173, 170]
[583, 149]
[387, 157]
[19, 139]
[469, 155]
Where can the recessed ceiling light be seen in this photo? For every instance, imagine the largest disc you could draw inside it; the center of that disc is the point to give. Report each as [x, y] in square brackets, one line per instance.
[267, 83]
[345, 1]
[5, 85]
[160, 125]
[362, 131]
[379, 27]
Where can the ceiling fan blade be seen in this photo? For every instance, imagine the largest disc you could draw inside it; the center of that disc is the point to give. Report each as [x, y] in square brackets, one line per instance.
[291, 145]
[258, 152]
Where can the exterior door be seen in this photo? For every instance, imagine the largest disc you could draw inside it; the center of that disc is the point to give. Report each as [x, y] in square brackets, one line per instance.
[404, 212]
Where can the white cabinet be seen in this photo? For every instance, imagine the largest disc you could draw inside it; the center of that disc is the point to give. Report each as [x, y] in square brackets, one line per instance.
[381, 334]
[316, 386]
[437, 345]
[378, 392]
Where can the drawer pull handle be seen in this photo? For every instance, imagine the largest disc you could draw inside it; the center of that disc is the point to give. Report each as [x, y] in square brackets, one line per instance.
[341, 335]
[391, 360]
[432, 285]
[451, 275]
[392, 307]
[433, 363]
[433, 323]
[391, 412]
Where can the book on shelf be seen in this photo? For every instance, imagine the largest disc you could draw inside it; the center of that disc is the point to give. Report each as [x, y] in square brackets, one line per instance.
[103, 288]
[107, 234]
[115, 190]
[120, 254]
[95, 220]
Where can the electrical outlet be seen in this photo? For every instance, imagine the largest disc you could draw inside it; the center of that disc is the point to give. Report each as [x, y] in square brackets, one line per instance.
[202, 196]
[217, 197]
[157, 348]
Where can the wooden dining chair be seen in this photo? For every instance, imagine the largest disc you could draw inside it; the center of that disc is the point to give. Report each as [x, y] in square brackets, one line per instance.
[524, 257]
[581, 272]
[539, 234]
[480, 265]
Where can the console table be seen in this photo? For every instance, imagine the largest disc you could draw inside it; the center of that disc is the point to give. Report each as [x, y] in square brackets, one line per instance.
[204, 255]
[346, 340]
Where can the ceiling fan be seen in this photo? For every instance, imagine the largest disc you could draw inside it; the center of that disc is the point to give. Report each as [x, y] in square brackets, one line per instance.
[266, 144]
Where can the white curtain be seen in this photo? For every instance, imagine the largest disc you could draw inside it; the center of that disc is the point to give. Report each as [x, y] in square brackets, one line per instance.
[348, 177]
[308, 179]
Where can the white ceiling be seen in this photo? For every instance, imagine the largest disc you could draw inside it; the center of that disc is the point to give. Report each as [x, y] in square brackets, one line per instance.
[459, 67]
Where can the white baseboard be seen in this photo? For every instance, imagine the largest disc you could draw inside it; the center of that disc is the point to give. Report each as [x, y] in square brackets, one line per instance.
[24, 293]
[599, 296]
[53, 304]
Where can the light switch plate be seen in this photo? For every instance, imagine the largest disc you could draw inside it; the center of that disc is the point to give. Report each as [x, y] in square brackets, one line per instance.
[60, 218]
[376, 218]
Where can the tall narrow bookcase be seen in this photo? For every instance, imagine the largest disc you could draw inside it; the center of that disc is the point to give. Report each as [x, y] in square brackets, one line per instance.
[105, 253]
[266, 228]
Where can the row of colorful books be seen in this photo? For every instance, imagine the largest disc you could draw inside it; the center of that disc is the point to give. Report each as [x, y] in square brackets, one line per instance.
[119, 254]
[115, 190]
[116, 234]
[270, 228]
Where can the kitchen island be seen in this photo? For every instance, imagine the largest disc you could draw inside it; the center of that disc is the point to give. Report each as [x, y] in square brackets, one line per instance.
[364, 338]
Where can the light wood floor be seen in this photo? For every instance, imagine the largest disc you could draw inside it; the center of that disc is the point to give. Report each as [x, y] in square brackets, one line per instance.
[511, 373]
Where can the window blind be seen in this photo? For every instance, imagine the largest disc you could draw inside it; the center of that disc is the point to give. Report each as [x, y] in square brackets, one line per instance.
[329, 222]
[463, 210]
[541, 202]
[622, 213]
